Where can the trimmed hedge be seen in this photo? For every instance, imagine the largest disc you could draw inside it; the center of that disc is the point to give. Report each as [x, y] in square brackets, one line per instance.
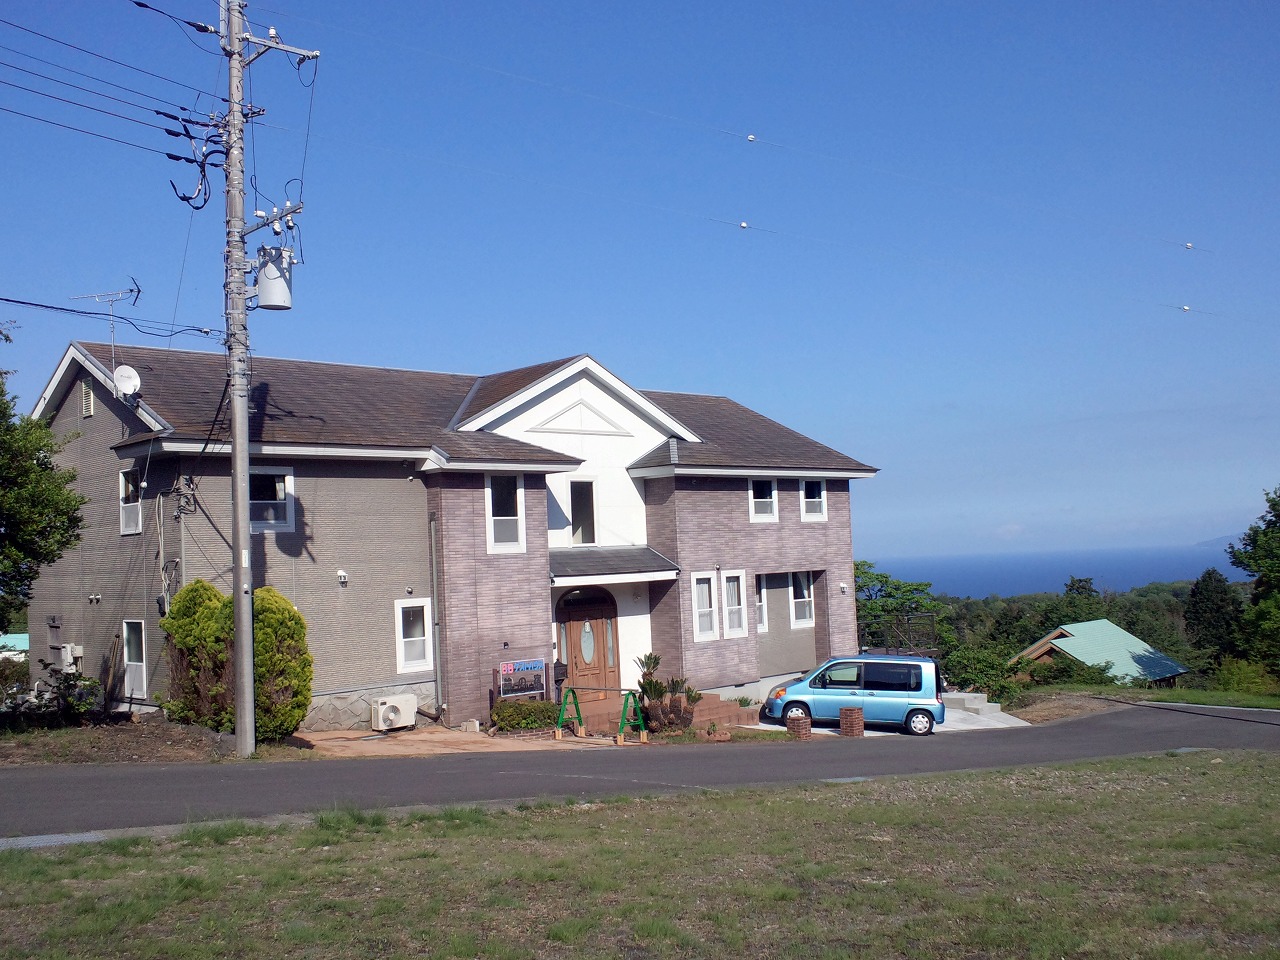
[525, 714]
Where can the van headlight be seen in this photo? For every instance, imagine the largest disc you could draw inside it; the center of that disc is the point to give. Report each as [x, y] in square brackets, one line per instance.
[777, 693]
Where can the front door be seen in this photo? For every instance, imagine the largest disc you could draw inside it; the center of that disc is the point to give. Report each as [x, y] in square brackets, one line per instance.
[588, 632]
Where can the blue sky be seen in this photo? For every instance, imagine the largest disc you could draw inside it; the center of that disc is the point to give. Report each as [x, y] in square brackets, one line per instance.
[965, 258]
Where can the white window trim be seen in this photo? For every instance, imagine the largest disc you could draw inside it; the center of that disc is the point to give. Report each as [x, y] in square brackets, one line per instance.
[133, 693]
[762, 604]
[518, 546]
[130, 513]
[807, 517]
[751, 501]
[714, 632]
[413, 666]
[791, 606]
[725, 577]
[275, 526]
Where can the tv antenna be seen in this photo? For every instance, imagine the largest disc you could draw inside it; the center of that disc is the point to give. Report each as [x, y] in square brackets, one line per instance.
[111, 299]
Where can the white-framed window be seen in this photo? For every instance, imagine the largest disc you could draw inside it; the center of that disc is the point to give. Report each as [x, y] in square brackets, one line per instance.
[133, 637]
[271, 499]
[733, 585]
[413, 635]
[813, 500]
[705, 623]
[504, 512]
[130, 501]
[801, 598]
[762, 605]
[764, 500]
[86, 398]
[582, 509]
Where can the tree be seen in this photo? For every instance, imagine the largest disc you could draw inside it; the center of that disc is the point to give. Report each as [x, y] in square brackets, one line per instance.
[1212, 613]
[200, 628]
[39, 512]
[891, 610]
[1258, 554]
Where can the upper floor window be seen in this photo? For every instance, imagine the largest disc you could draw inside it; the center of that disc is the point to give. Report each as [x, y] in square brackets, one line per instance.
[130, 501]
[764, 501]
[504, 512]
[735, 603]
[271, 499]
[582, 506]
[413, 635]
[813, 500]
[705, 623]
[801, 598]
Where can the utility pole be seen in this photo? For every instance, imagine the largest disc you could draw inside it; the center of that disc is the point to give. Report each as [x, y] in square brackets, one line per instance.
[234, 38]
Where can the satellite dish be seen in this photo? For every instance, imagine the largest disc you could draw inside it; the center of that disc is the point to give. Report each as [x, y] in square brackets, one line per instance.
[127, 380]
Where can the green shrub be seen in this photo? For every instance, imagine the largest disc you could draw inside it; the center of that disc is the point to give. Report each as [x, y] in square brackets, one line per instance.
[1241, 676]
[981, 669]
[200, 644]
[1068, 670]
[525, 714]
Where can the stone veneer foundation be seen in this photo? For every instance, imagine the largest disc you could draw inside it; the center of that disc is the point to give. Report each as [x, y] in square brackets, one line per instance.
[353, 710]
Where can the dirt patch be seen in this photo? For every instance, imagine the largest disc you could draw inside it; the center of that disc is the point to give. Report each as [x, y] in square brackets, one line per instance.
[144, 738]
[1061, 706]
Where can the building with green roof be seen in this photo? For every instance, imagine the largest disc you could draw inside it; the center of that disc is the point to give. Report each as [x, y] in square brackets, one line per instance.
[1097, 642]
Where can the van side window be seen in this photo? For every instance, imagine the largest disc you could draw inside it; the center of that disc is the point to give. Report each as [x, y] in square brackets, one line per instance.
[901, 677]
[840, 676]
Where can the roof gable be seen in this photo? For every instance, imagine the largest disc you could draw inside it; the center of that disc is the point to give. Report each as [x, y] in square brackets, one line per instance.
[1101, 641]
[517, 390]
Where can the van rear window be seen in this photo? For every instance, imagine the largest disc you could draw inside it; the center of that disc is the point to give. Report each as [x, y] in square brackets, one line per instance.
[905, 677]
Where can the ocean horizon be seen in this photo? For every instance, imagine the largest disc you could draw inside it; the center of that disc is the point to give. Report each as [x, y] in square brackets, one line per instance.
[1014, 574]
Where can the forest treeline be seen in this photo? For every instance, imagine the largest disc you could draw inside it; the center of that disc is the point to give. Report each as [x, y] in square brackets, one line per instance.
[1226, 634]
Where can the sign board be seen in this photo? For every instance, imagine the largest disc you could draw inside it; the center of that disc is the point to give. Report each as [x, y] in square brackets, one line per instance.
[522, 678]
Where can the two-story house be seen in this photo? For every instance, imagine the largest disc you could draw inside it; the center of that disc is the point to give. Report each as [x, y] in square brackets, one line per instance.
[441, 533]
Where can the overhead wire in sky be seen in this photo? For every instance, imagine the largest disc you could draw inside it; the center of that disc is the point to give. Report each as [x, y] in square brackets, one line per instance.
[100, 136]
[150, 328]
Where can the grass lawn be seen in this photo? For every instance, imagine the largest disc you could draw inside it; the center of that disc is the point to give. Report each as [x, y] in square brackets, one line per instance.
[1206, 698]
[1165, 857]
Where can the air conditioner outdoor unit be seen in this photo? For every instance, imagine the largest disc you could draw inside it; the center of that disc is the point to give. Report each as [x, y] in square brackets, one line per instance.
[68, 654]
[398, 711]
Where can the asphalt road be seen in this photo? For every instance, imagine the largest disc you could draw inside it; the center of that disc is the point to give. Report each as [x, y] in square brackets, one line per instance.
[80, 798]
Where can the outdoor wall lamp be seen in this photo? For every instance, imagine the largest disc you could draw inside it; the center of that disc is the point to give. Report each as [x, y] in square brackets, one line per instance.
[342, 578]
[844, 588]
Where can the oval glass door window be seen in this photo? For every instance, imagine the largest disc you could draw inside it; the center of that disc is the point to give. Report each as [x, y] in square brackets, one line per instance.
[588, 643]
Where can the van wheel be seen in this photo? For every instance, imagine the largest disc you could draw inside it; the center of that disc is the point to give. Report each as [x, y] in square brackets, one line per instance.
[795, 711]
[920, 723]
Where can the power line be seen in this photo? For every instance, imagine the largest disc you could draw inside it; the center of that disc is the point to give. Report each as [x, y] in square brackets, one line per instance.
[87, 76]
[118, 63]
[85, 106]
[101, 136]
[89, 90]
[137, 323]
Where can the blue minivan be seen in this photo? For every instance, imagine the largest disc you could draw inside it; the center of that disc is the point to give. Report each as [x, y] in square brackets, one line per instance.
[901, 690]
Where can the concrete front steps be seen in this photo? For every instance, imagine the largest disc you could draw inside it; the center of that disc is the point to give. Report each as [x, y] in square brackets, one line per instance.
[975, 703]
[603, 716]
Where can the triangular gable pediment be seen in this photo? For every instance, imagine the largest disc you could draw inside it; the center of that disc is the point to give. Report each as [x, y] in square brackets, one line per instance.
[75, 363]
[544, 387]
[581, 417]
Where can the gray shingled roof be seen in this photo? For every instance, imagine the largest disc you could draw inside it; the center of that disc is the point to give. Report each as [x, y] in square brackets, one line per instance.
[608, 561]
[305, 402]
[734, 436]
[333, 404]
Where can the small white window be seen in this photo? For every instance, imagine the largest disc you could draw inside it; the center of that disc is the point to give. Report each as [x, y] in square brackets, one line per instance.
[504, 512]
[762, 605]
[271, 499]
[705, 625]
[801, 599]
[133, 637]
[813, 500]
[764, 500]
[413, 636]
[582, 504]
[130, 502]
[86, 398]
[735, 602]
